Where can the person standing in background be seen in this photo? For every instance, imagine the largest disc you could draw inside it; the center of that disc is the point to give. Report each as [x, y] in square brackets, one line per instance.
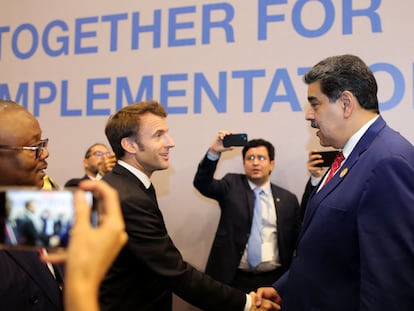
[279, 217]
[316, 172]
[97, 162]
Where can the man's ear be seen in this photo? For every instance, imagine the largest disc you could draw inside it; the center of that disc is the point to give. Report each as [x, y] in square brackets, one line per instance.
[129, 145]
[348, 102]
[272, 165]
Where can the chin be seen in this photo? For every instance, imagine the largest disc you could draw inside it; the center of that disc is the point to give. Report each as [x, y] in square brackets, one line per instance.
[39, 183]
[164, 166]
[323, 143]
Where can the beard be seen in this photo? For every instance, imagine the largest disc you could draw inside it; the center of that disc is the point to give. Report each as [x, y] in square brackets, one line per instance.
[93, 169]
[314, 124]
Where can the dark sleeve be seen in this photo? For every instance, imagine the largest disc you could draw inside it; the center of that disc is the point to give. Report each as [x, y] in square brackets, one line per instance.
[29, 232]
[72, 182]
[305, 197]
[205, 174]
[151, 245]
[385, 226]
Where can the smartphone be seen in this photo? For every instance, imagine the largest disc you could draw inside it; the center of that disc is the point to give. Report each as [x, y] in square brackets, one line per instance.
[31, 218]
[327, 156]
[235, 140]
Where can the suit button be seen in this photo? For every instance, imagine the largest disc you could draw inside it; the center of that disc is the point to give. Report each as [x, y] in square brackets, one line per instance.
[34, 300]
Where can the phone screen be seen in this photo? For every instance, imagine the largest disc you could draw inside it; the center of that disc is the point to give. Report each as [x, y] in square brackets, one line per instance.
[36, 218]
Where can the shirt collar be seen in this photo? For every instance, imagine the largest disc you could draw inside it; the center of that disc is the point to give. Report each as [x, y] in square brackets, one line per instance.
[265, 187]
[140, 175]
[351, 143]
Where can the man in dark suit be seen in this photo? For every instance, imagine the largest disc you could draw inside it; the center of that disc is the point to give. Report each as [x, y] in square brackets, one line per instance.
[97, 162]
[29, 234]
[26, 283]
[356, 247]
[316, 172]
[228, 261]
[150, 268]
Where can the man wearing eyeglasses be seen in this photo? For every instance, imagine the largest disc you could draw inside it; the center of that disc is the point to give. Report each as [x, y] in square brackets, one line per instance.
[26, 283]
[22, 151]
[257, 233]
[97, 162]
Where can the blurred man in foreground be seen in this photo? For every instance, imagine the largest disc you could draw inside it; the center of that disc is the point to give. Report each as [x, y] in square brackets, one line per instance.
[26, 282]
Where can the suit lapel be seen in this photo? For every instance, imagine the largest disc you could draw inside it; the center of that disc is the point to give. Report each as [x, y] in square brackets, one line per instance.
[316, 198]
[249, 198]
[39, 273]
[120, 170]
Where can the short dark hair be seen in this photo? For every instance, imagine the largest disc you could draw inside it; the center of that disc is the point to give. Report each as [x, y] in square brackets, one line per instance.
[258, 143]
[341, 73]
[88, 151]
[126, 123]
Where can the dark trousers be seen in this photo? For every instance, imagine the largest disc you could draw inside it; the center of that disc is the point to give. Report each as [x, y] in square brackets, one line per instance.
[251, 281]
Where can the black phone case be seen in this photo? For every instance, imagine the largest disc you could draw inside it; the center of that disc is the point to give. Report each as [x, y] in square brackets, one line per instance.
[235, 140]
[328, 157]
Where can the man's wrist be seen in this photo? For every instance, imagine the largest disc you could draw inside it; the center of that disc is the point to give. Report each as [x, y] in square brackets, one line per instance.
[315, 180]
[212, 155]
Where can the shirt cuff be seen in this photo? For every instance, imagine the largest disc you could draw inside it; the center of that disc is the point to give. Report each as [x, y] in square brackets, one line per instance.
[248, 304]
[315, 180]
[212, 157]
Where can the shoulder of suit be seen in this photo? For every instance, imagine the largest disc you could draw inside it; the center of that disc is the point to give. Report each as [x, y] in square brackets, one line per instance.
[281, 190]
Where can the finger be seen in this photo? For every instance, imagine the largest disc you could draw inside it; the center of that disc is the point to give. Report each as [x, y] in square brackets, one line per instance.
[82, 209]
[58, 257]
[222, 134]
[107, 194]
[258, 297]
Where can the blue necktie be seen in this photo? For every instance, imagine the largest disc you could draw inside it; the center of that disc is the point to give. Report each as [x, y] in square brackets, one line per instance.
[254, 246]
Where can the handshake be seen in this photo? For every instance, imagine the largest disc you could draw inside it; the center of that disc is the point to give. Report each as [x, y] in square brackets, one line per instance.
[266, 298]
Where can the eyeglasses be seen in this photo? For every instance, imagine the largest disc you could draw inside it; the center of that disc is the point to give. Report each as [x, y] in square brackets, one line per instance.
[38, 149]
[99, 154]
[259, 157]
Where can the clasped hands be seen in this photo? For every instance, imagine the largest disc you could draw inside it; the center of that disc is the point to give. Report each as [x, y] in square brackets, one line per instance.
[266, 298]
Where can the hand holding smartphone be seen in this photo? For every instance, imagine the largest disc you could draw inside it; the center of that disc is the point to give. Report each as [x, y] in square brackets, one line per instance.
[235, 140]
[32, 218]
[327, 157]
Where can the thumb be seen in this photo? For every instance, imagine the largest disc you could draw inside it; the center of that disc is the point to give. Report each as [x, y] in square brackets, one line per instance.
[256, 299]
[259, 295]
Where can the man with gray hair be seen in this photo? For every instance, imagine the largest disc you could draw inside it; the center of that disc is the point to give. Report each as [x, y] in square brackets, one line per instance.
[356, 247]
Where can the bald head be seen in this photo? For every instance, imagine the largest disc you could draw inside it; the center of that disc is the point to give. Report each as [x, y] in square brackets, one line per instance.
[19, 128]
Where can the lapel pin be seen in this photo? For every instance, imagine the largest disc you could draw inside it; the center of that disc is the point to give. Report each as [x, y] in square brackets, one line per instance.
[343, 172]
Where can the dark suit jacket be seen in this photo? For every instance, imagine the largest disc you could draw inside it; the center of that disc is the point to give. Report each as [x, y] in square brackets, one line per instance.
[74, 182]
[305, 196]
[236, 200]
[26, 283]
[150, 268]
[356, 247]
[27, 231]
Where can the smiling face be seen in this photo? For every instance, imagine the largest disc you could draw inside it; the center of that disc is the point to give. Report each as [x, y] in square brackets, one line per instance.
[19, 128]
[326, 116]
[154, 144]
[257, 165]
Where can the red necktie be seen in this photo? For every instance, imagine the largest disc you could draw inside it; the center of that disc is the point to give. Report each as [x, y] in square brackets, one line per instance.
[335, 166]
